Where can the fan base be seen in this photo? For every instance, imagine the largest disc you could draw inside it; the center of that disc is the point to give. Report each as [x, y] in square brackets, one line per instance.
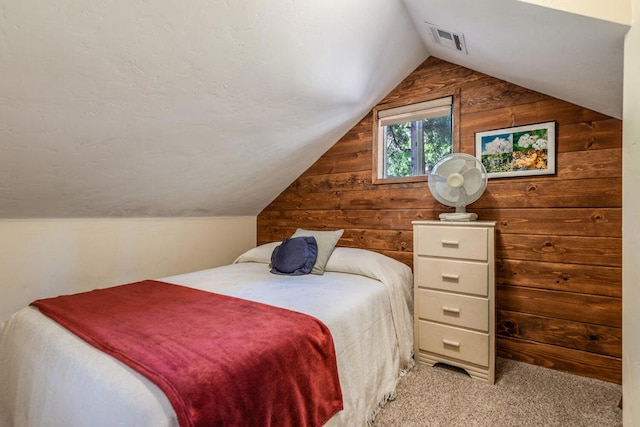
[458, 216]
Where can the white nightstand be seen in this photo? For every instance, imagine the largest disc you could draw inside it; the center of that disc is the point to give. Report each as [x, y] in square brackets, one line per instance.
[454, 288]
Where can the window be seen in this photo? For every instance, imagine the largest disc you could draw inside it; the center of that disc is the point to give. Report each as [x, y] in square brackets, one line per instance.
[410, 139]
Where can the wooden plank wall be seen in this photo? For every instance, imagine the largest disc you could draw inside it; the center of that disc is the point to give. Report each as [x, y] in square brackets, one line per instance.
[559, 238]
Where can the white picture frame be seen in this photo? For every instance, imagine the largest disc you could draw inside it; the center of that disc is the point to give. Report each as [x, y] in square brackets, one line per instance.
[518, 151]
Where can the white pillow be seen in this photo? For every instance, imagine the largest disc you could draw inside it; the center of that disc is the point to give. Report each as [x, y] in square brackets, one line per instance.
[326, 241]
[366, 263]
[260, 253]
[376, 266]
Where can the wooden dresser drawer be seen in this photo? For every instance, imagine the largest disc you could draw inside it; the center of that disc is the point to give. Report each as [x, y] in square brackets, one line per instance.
[453, 276]
[452, 242]
[461, 344]
[459, 310]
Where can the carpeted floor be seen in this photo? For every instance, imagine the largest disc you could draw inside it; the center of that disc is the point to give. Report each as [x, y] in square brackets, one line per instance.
[523, 395]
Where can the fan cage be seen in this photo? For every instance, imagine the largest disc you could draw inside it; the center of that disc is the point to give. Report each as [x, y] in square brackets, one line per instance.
[449, 171]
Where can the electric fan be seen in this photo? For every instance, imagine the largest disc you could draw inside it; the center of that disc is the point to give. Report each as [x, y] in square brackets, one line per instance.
[458, 180]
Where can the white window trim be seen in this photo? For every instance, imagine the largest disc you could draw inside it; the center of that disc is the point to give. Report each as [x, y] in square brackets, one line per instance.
[402, 114]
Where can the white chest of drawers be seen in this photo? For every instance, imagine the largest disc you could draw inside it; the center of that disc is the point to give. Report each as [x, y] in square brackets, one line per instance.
[454, 288]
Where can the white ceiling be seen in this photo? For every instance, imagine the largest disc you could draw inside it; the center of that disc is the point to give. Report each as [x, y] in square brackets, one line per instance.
[568, 56]
[130, 108]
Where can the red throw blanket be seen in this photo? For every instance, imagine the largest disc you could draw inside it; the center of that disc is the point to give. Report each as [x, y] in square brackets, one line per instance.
[221, 361]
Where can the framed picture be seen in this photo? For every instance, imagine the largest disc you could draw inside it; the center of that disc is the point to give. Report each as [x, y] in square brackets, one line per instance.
[518, 151]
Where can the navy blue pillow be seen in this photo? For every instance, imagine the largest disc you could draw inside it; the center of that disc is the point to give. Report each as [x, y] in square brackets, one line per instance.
[295, 256]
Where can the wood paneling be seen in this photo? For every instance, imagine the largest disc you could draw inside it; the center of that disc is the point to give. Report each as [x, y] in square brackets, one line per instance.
[586, 363]
[578, 335]
[576, 278]
[559, 238]
[591, 309]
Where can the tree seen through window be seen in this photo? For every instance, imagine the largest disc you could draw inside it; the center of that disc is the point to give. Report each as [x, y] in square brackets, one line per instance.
[412, 148]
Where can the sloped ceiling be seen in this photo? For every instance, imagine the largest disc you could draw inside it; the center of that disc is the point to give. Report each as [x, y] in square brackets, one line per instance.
[568, 56]
[114, 108]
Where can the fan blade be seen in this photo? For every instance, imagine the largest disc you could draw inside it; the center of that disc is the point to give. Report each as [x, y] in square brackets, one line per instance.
[450, 166]
[449, 194]
[472, 180]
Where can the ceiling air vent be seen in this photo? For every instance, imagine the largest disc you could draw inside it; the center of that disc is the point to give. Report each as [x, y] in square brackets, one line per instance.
[447, 38]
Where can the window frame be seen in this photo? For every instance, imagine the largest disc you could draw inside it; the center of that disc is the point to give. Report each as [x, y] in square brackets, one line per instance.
[378, 150]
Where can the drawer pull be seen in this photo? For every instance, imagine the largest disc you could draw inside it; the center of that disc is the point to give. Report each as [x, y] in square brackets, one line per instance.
[451, 243]
[450, 277]
[451, 310]
[451, 343]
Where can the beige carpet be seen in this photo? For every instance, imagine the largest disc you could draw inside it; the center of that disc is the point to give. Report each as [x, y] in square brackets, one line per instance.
[523, 395]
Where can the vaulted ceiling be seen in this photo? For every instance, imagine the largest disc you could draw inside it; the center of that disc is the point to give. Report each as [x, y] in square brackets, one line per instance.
[114, 108]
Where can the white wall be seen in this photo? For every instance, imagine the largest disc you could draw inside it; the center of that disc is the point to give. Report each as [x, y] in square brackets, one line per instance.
[612, 10]
[631, 225]
[44, 258]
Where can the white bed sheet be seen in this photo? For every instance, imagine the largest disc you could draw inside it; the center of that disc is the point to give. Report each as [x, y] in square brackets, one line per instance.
[48, 376]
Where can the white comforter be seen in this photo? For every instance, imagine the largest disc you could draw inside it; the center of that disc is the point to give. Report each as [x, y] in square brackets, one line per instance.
[49, 377]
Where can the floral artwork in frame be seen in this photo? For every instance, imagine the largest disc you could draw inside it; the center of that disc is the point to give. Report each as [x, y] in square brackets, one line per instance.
[518, 151]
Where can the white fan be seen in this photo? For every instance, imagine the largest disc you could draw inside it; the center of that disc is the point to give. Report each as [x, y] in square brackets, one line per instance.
[458, 180]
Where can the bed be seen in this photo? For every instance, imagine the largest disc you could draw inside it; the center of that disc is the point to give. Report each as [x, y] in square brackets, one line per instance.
[49, 376]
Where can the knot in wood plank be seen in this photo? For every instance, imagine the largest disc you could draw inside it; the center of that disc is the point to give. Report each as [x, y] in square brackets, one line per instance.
[548, 247]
